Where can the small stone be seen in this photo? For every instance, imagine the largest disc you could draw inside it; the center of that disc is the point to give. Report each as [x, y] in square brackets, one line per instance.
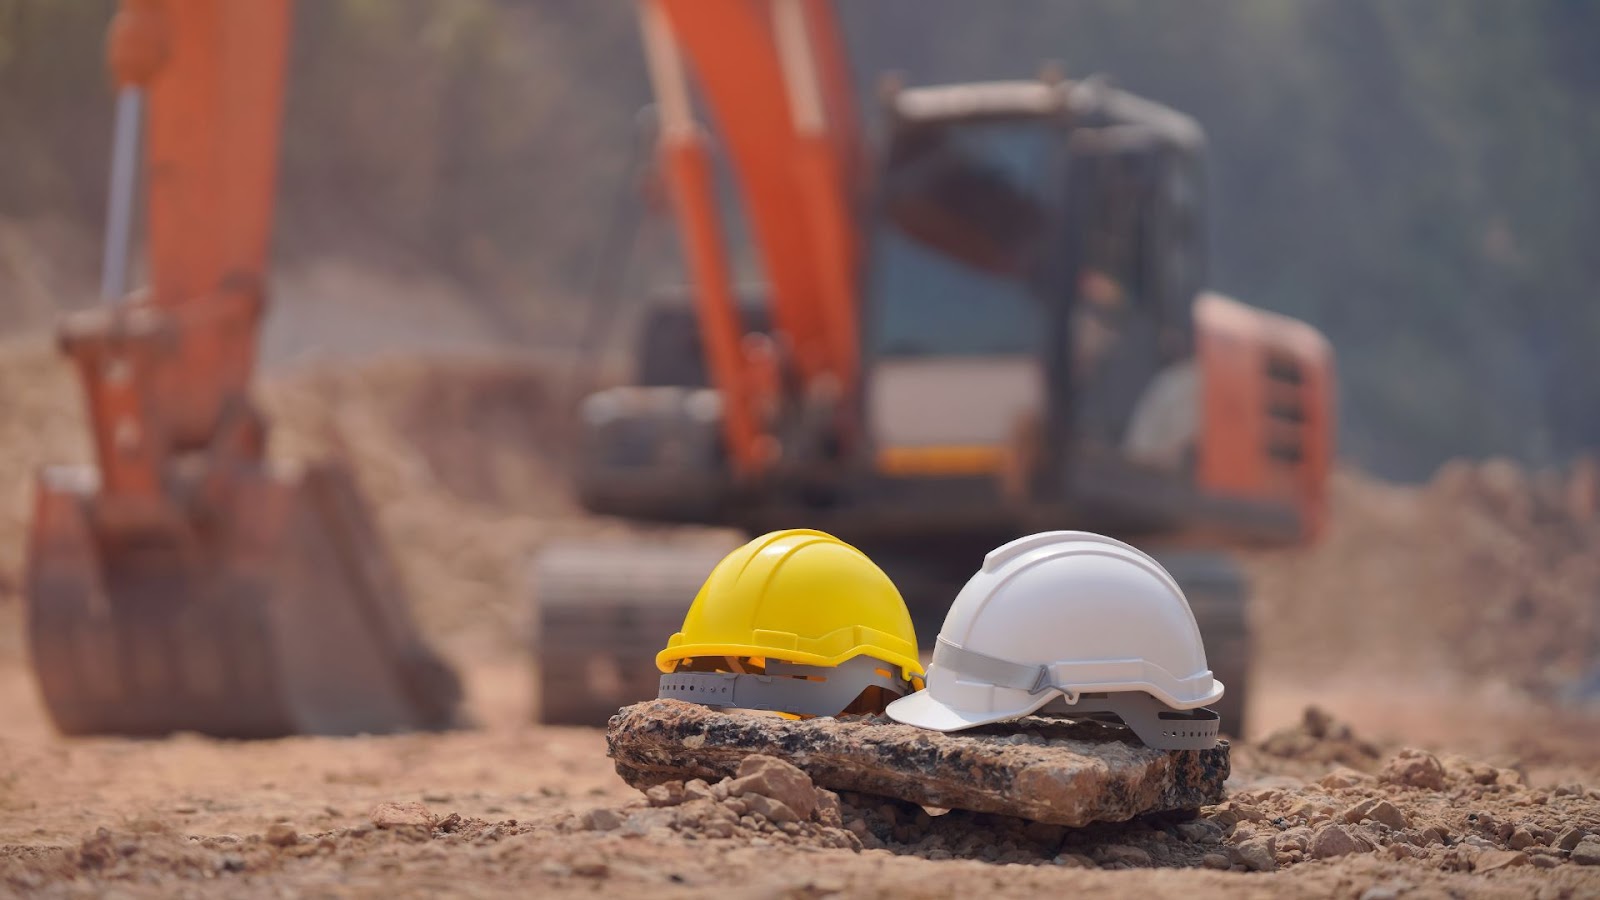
[669, 794]
[1522, 839]
[769, 776]
[1388, 814]
[1570, 838]
[435, 797]
[720, 789]
[773, 809]
[602, 819]
[1075, 861]
[1256, 855]
[1415, 768]
[1295, 839]
[1509, 777]
[1545, 862]
[1489, 860]
[1303, 810]
[1200, 831]
[282, 834]
[1378, 810]
[1335, 840]
[231, 862]
[1587, 852]
[1478, 843]
[1125, 854]
[401, 815]
[828, 811]
[697, 789]
[646, 820]
[1215, 861]
[1569, 790]
[1343, 777]
[590, 867]
[1232, 813]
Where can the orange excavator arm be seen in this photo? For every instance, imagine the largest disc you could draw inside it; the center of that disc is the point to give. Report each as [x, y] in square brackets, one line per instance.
[772, 73]
[183, 583]
[167, 374]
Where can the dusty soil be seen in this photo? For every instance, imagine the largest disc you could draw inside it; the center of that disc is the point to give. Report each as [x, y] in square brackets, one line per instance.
[517, 808]
[1456, 616]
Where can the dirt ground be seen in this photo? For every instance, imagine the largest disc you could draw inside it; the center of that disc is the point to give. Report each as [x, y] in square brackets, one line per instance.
[512, 810]
[1459, 617]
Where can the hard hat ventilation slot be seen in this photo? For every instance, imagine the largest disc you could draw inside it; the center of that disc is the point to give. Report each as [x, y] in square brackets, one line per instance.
[1151, 721]
[859, 686]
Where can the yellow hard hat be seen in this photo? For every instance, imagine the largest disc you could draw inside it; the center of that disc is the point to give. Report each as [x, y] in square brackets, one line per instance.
[784, 614]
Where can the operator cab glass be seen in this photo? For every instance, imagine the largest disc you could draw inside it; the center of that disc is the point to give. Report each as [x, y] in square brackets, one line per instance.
[966, 209]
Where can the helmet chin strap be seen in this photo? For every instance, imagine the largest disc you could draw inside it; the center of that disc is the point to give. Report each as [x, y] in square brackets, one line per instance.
[786, 687]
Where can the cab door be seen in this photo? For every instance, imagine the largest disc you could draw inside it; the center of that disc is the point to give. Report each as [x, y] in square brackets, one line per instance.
[1127, 384]
[955, 317]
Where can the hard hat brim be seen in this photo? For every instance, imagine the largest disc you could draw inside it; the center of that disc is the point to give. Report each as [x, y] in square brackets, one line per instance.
[923, 710]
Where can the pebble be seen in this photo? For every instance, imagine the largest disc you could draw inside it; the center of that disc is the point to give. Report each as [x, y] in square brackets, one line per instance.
[401, 815]
[1255, 854]
[282, 834]
[602, 819]
[1200, 832]
[1335, 840]
[1570, 838]
[770, 777]
[1415, 768]
[1522, 839]
[1587, 852]
[1489, 860]
[1378, 810]
[1215, 861]
[1125, 854]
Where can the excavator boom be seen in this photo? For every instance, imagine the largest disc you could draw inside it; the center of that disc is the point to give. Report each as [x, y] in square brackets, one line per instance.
[182, 583]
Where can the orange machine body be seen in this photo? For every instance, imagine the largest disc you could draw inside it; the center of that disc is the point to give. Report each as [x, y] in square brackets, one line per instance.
[772, 78]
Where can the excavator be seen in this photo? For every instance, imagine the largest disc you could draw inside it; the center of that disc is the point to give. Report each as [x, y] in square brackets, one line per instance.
[991, 321]
[183, 582]
[994, 320]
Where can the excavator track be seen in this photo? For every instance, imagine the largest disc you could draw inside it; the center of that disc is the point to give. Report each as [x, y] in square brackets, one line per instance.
[603, 610]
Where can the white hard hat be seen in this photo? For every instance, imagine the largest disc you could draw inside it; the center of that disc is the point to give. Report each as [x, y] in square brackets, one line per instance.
[1075, 623]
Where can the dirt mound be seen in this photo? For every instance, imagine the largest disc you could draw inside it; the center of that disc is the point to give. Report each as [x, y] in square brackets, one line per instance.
[1484, 574]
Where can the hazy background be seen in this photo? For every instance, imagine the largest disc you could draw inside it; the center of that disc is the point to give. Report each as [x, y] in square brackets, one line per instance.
[1419, 179]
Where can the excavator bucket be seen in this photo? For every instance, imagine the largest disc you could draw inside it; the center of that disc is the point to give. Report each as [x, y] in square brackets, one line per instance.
[278, 614]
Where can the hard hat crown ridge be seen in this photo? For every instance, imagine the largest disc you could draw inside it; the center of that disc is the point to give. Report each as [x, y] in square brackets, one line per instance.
[792, 621]
[1060, 618]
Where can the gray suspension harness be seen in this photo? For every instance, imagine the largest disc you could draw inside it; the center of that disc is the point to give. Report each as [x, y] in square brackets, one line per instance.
[780, 689]
[1159, 726]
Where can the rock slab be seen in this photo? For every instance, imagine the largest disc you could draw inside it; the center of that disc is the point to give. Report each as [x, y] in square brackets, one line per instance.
[1058, 772]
